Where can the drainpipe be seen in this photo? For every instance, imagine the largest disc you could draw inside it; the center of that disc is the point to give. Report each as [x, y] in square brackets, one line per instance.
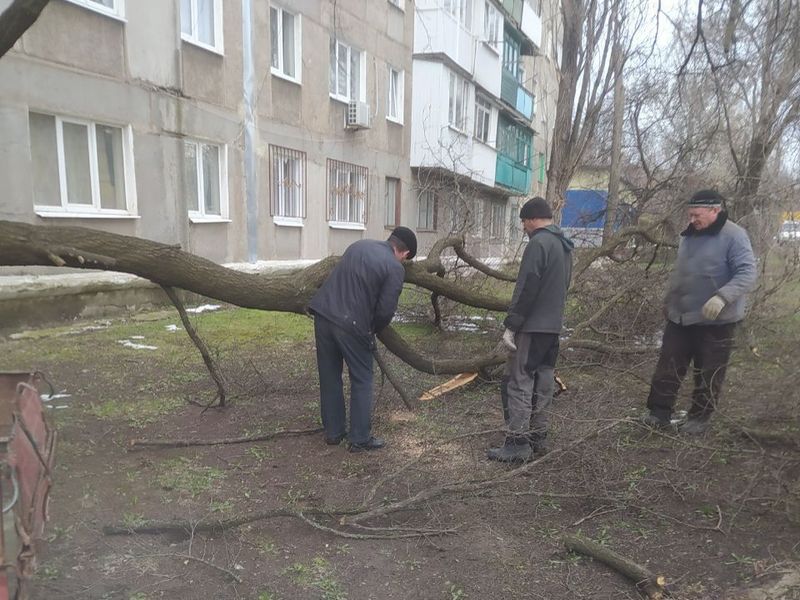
[250, 172]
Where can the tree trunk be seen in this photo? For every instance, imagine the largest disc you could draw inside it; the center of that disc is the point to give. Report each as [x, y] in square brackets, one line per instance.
[612, 202]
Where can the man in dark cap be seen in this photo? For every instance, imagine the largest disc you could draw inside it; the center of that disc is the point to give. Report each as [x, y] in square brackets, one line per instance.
[356, 301]
[533, 325]
[705, 300]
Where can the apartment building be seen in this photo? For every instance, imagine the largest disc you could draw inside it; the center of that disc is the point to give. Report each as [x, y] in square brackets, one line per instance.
[242, 130]
[474, 117]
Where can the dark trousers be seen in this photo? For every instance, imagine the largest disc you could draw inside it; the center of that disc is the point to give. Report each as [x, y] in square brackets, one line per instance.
[335, 345]
[708, 347]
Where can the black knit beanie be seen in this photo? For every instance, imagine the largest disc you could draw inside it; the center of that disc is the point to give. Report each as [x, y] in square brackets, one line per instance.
[706, 199]
[405, 235]
[536, 208]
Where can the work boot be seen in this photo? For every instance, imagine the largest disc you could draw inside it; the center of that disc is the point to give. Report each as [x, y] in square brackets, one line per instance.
[539, 444]
[373, 443]
[336, 440]
[696, 426]
[656, 421]
[516, 449]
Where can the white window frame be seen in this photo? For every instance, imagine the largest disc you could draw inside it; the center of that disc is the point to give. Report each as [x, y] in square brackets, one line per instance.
[116, 12]
[486, 110]
[298, 46]
[344, 173]
[399, 4]
[95, 210]
[461, 11]
[457, 121]
[191, 37]
[278, 198]
[200, 216]
[398, 90]
[362, 67]
[492, 26]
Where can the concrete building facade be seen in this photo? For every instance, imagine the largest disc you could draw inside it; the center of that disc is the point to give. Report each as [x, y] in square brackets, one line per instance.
[241, 130]
[474, 112]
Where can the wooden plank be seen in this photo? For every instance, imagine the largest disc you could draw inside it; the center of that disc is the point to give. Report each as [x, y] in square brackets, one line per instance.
[456, 382]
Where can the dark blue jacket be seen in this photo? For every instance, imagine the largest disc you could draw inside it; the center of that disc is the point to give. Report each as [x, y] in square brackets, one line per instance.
[361, 293]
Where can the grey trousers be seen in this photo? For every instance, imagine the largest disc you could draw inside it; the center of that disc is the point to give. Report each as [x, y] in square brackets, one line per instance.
[529, 383]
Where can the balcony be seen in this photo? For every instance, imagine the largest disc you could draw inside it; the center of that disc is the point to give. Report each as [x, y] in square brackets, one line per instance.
[516, 96]
[514, 8]
[512, 175]
[438, 32]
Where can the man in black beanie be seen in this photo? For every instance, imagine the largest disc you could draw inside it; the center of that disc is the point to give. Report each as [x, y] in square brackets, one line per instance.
[705, 300]
[356, 301]
[533, 325]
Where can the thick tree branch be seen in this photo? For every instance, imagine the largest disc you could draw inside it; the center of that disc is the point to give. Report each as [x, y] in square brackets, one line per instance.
[16, 20]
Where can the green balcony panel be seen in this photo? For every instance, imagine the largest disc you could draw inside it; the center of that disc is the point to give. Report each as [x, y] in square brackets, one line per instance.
[510, 174]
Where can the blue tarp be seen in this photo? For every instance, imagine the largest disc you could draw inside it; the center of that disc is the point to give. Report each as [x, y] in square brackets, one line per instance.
[584, 208]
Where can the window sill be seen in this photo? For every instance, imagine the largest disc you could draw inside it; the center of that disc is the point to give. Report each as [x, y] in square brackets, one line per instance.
[491, 47]
[343, 100]
[487, 144]
[280, 75]
[100, 10]
[201, 219]
[457, 130]
[400, 6]
[351, 226]
[395, 121]
[199, 44]
[63, 214]
[288, 221]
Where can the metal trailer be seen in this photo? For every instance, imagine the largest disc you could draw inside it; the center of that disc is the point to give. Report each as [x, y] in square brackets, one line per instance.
[27, 449]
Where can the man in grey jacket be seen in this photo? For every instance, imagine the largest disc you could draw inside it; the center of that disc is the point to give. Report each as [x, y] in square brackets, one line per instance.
[533, 325]
[356, 301]
[714, 271]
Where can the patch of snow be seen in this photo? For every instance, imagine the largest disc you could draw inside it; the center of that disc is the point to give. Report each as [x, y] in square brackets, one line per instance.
[135, 346]
[59, 395]
[172, 327]
[203, 308]
[137, 337]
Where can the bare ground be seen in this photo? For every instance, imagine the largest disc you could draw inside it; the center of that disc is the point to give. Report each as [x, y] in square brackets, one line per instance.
[717, 515]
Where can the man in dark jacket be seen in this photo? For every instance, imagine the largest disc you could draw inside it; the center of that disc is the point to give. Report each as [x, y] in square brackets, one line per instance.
[533, 325]
[714, 271]
[357, 300]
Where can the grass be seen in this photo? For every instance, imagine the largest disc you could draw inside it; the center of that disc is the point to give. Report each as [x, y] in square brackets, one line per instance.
[317, 574]
[186, 477]
[139, 413]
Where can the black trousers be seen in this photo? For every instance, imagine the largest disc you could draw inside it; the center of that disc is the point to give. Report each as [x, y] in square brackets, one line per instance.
[708, 348]
[336, 346]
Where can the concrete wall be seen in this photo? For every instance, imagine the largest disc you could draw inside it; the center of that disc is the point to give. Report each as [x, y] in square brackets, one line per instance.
[137, 71]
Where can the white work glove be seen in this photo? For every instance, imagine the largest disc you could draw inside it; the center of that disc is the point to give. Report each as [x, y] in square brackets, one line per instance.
[508, 340]
[713, 307]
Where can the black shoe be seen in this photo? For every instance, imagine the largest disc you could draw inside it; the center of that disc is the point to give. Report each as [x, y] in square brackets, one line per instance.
[539, 445]
[513, 450]
[655, 421]
[696, 426]
[335, 441]
[373, 443]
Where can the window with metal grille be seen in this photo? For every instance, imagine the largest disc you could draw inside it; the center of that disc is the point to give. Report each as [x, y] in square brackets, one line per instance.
[287, 182]
[348, 189]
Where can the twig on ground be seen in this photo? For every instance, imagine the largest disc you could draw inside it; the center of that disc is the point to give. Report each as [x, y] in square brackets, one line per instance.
[176, 443]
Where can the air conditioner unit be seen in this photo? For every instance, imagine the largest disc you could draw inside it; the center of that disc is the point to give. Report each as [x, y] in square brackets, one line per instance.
[357, 116]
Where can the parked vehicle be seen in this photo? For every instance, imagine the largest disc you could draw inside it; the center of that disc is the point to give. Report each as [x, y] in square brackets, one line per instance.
[789, 232]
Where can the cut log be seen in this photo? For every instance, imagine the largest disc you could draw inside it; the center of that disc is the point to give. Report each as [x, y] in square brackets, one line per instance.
[652, 585]
[456, 382]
